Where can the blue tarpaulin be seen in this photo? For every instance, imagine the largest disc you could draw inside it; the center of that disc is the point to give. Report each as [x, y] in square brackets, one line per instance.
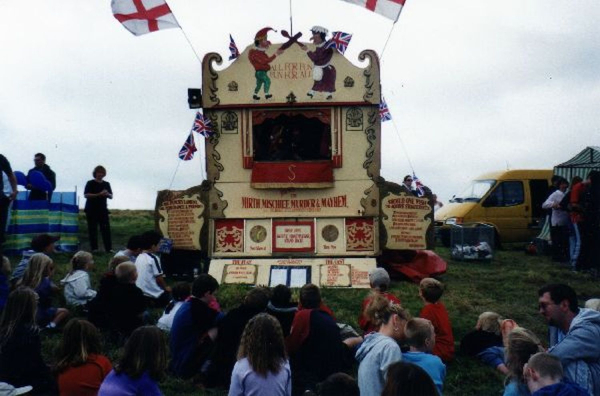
[31, 218]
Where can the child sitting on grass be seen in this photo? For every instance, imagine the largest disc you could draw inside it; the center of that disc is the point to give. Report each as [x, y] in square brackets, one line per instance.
[430, 291]
[126, 302]
[21, 362]
[485, 342]
[420, 336]
[282, 307]
[81, 367]
[77, 287]
[181, 292]
[99, 307]
[379, 280]
[141, 367]
[544, 376]
[521, 345]
[38, 277]
[260, 370]
[151, 278]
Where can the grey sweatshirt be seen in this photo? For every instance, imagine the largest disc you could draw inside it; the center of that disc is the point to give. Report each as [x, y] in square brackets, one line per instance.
[375, 355]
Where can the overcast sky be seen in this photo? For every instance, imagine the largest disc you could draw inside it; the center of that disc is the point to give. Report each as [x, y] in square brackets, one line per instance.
[473, 85]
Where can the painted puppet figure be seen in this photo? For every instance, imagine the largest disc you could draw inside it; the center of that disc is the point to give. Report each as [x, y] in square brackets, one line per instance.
[324, 73]
[262, 62]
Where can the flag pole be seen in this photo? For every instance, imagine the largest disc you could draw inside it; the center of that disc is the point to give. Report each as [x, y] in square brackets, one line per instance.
[174, 173]
[386, 42]
[291, 20]
[184, 34]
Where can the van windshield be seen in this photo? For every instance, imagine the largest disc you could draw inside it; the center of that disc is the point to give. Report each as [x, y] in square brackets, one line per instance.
[474, 191]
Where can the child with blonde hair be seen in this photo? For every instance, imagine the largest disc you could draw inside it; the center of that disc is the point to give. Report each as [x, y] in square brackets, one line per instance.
[380, 349]
[420, 336]
[38, 276]
[522, 343]
[485, 342]
[430, 291]
[77, 286]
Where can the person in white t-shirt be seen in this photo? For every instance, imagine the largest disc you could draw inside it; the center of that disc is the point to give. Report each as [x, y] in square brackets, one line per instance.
[181, 291]
[151, 278]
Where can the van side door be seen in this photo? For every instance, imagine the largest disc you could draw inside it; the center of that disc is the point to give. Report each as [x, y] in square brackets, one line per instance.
[539, 193]
[506, 207]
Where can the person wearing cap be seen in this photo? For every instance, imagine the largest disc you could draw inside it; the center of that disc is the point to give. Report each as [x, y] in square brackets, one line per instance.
[379, 279]
[43, 243]
[324, 74]
[262, 62]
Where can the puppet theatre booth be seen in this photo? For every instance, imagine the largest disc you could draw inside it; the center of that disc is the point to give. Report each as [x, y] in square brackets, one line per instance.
[59, 217]
[293, 155]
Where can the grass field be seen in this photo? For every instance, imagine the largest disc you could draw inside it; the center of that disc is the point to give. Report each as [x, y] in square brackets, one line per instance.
[507, 285]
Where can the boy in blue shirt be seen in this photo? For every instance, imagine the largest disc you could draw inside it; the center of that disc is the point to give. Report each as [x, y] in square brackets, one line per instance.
[420, 336]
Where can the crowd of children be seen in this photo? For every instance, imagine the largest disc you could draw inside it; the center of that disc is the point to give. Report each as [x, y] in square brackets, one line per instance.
[268, 345]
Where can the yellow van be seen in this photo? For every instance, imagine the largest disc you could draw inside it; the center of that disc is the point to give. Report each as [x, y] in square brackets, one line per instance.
[510, 201]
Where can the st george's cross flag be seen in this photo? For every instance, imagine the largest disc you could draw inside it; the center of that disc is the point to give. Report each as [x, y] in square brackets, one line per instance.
[388, 8]
[384, 111]
[144, 16]
[188, 149]
[339, 41]
[202, 125]
[233, 49]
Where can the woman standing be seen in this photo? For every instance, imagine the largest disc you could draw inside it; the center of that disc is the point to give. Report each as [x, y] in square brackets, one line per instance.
[97, 191]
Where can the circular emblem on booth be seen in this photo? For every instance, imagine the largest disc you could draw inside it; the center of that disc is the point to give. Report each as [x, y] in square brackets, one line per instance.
[258, 234]
[330, 233]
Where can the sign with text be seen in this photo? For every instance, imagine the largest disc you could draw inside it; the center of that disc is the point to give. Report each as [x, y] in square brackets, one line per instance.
[404, 221]
[293, 236]
[244, 274]
[295, 272]
[336, 275]
[245, 202]
[181, 219]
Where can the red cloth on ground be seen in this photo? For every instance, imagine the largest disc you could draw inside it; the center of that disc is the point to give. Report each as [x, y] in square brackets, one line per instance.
[444, 339]
[84, 380]
[363, 321]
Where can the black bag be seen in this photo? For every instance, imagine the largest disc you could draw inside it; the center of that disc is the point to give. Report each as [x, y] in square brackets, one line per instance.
[565, 201]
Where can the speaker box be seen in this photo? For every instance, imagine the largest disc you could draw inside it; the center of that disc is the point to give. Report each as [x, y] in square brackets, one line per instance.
[195, 98]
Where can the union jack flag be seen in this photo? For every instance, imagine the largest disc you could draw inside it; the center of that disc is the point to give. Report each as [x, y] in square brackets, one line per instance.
[418, 186]
[339, 41]
[384, 111]
[233, 49]
[202, 125]
[189, 148]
